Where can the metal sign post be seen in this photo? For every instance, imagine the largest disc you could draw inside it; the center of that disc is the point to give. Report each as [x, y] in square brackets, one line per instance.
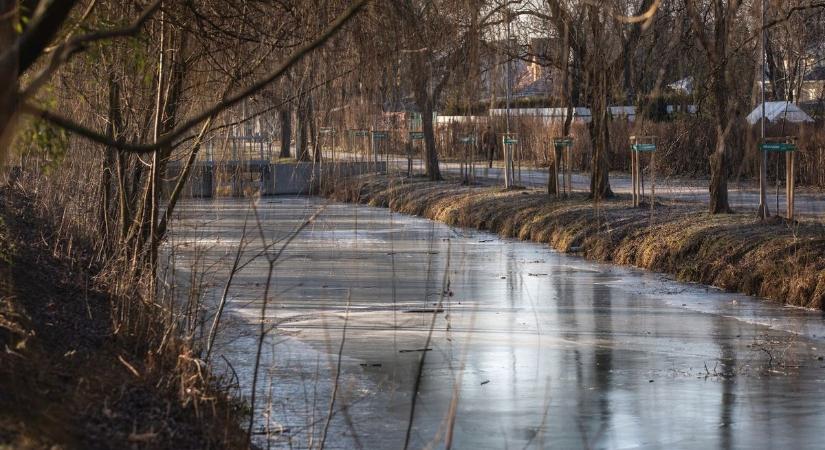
[377, 137]
[509, 140]
[467, 169]
[763, 158]
[329, 133]
[415, 136]
[639, 145]
[562, 148]
[353, 134]
[786, 145]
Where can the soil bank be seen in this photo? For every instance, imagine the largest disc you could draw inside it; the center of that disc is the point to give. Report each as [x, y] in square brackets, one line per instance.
[70, 378]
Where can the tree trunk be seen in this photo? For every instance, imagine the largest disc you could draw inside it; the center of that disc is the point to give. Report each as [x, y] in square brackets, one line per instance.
[302, 144]
[567, 100]
[600, 137]
[552, 180]
[431, 155]
[718, 160]
[8, 77]
[286, 131]
[719, 177]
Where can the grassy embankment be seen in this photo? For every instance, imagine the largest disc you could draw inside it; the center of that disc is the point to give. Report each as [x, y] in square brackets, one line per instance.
[780, 260]
[74, 376]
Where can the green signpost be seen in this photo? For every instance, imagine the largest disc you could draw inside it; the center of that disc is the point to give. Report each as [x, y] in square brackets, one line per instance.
[644, 147]
[415, 136]
[329, 132]
[467, 166]
[777, 147]
[561, 143]
[639, 145]
[786, 145]
[360, 143]
[509, 141]
[562, 148]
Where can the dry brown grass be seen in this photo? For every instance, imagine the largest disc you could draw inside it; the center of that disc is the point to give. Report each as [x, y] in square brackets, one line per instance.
[781, 260]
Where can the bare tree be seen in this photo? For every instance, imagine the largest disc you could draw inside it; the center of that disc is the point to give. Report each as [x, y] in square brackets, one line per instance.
[713, 24]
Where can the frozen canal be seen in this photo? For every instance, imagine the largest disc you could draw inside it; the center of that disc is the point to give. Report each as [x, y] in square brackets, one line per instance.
[523, 347]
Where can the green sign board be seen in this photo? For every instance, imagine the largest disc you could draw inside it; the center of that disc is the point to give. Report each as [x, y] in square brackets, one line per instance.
[416, 135]
[644, 147]
[360, 133]
[777, 147]
[379, 135]
[560, 143]
[510, 141]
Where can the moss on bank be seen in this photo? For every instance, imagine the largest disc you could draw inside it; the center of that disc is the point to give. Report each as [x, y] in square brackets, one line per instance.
[780, 260]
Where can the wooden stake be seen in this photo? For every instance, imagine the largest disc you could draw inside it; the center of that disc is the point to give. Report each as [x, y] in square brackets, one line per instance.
[789, 183]
[652, 180]
[556, 163]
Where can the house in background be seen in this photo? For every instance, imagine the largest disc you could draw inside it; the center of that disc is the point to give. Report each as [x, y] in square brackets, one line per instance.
[813, 86]
[531, 75]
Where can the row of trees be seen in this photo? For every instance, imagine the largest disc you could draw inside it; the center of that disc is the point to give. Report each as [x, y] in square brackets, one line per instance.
[613, 52]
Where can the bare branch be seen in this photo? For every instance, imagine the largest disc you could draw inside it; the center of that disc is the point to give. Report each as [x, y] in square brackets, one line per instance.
[64, 51]
[169, 138]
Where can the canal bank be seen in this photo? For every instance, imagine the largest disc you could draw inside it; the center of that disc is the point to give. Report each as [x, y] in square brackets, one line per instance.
[780, 260]
[76, 371]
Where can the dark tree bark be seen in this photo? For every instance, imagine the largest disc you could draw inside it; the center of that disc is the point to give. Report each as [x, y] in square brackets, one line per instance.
[302, 143]
[8, 75]
[286, 131]
[600, 138]
[719, 159]
[426, 97]
[430, 152]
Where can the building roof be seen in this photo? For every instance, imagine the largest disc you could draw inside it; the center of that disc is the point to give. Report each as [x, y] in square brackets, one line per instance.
[685, 85]
[777, 111]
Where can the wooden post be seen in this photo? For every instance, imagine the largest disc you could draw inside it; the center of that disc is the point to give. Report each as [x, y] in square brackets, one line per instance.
[505, 148]
[409, 151]
[462, 162]
[569, 180]
[634, 172]
[790, 182]
[639, 144]
[634, 175]
[372, 153]
[473, 156]
[556, 163]
[652, 180]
